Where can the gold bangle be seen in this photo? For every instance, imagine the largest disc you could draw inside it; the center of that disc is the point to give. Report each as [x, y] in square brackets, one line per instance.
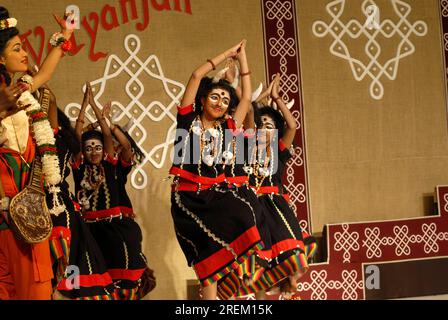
[211, 62]
[245, 73]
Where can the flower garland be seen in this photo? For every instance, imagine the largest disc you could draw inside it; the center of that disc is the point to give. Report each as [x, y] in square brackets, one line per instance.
[45, 141]
[8, 23]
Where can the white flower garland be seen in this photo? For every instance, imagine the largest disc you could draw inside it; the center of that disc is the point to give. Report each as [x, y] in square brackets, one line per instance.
[44, 137]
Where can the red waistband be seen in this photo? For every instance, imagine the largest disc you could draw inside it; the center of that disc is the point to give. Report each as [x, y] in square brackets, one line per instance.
[114, 212]
[195, 178]
[266, 190]
[185, 185]
[238, 180]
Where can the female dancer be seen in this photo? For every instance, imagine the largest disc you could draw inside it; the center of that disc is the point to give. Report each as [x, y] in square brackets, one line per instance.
[71, 243]
[289, 259]
[100, 179]
[215, 229]
[25, 270]
[237, 177]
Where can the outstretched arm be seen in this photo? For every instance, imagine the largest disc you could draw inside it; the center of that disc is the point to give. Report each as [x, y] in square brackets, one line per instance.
[53, 111]
[200, 72]
[54, 56]
[291, 124]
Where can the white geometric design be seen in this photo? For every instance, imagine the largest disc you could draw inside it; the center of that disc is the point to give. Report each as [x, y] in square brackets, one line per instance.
[445, 38]
[319, 285]
[295, 190]
[445, 198]
[444, 8]
[304, 225]
[283, 47]
[346, 241]
[402, 240]
[156, 111]
[354, 29]
[373, 242]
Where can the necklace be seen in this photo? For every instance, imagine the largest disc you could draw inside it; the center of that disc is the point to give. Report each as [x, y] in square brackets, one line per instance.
[18, 144]
[92, 181]
[263, 165]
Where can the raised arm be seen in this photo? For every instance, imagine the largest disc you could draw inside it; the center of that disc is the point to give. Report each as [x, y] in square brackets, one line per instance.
[230, 75]
[81, 116]
[291, 124]
[53, 110]
[54, 56]
[266, 93]
[107, 134]
[200, 72]
[126, 148]
[246, 87]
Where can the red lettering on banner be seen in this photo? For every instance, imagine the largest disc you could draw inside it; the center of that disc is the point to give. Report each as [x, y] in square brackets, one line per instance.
[160, 7]
[75, 47]
[92, 34]
[187, 6]
[143, 26]
[108, 10]
[124, 11]
[109, 20]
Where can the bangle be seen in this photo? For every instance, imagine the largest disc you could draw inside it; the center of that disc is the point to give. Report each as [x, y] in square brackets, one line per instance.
[211, 62]
[245, 73]
[57, 39]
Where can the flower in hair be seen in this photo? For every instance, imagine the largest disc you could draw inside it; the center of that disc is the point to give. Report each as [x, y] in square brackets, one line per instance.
[8, 23]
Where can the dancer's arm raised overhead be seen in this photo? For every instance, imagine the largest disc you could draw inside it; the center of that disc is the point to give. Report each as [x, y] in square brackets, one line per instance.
[81, 116]
[107, 134]
[246, 87]
[200, 72]
[291, 124]
[126, 153]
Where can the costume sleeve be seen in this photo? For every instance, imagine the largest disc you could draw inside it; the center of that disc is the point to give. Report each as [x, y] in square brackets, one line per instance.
[126, 167]
[185, 116]
[283, 152]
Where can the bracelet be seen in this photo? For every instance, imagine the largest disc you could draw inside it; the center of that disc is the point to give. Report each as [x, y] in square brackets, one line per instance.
[245, 73]
[211, 62]
[58, 39]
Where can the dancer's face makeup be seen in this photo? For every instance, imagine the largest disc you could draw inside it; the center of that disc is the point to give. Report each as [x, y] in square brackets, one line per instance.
[266, 131]
[14, 57]
[216, 103]
[93, 151]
